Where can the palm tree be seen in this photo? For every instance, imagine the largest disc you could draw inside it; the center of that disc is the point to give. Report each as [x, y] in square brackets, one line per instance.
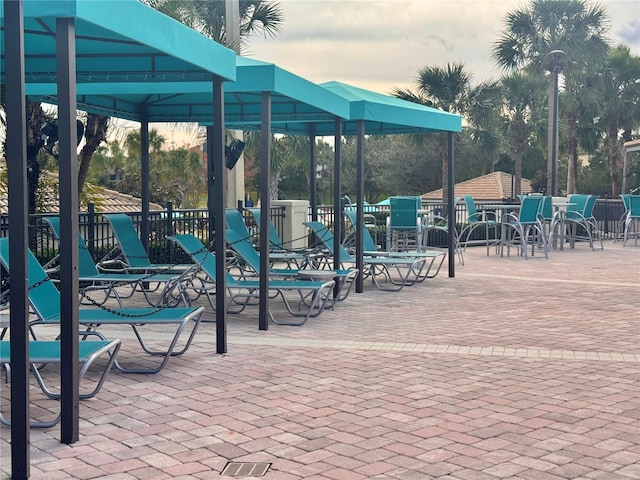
[208, 17]
[542, 26]
[618, 87]
[523, 96]
[450, 89]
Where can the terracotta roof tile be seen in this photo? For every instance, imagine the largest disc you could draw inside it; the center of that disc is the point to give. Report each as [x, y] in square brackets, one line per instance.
[493, 186]
[109, 201]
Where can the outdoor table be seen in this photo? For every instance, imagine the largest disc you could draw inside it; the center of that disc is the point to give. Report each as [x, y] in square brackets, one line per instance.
[500, 210]
[560, 209]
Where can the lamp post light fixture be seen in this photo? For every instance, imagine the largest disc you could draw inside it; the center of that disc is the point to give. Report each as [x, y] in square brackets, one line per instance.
[556, 62]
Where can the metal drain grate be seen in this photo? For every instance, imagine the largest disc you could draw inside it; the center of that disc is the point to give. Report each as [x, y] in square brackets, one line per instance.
[246, 469]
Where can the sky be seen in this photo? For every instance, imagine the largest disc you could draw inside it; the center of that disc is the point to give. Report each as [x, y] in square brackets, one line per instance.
[379, 45]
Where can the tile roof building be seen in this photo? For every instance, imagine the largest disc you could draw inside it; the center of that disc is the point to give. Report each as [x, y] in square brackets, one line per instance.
[107, 201]
[496, 186]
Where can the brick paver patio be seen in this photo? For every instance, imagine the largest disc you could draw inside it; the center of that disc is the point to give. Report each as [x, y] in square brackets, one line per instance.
[514, 369]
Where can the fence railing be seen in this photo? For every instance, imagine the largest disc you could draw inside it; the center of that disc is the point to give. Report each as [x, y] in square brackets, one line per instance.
[100, 239]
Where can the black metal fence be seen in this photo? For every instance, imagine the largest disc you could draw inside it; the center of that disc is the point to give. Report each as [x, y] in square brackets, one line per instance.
[100, 239]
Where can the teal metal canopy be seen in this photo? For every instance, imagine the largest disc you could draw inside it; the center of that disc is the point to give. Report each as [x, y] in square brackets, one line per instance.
[293, 99]
[118, 40]
[384, 114]
[67, 43]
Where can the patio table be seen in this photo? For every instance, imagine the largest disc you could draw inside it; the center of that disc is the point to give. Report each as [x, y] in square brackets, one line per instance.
[560, 209]
[500, 210]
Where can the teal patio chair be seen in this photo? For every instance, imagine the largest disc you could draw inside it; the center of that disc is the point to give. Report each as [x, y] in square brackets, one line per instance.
[42, 352]
[526, 228]
[439, 223]
[44, 299]
[132, 253]
[408, 269]
[171, 293]
[235, 221]
[278, 251]
[404, 225]
[313, 296]
[477, 219]
[372, 250]
[251, 258]
[631, 218]
[579, 220]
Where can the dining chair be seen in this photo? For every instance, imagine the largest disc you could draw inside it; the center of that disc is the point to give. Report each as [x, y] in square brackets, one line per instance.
[631, 218]
[404, 225]
[526, 228]
[438, 223]
[579, 219]
[477, 219]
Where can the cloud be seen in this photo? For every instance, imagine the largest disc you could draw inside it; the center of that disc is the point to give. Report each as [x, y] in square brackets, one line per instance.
[382, 44]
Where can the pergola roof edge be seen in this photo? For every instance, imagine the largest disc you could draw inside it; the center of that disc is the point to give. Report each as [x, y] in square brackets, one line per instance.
[375, 107]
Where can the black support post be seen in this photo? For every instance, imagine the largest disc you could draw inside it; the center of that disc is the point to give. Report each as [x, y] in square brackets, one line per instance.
[451, 208]
[16, 150]
[217, 157]
[360, 207]
[144, 178]
[265, 209]
[68, 179]
[337, 192]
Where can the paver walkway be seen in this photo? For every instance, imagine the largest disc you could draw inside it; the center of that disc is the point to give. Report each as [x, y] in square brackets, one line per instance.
[514, 369]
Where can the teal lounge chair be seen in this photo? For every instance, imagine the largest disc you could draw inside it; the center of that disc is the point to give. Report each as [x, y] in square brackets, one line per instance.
[170, 295]
[48, 351]
[276, 245]
[251, 258]
[235, 221]
[313, 295]
[371, 249]
[132, 252]
[390, 273]
[44, 298]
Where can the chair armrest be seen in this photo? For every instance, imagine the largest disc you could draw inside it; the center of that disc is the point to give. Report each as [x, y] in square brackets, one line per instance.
[483, 215]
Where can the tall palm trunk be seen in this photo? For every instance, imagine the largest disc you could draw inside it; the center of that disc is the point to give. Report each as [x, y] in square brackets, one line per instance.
[95, 133]
[36, 120]
[520, 133]
[615, 155]
[571, 144]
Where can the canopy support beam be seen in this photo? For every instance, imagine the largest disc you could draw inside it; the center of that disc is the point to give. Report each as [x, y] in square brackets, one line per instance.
[216, 204]
[15, 109]
[68, 175]
[144, 177]
[451, 208]
[337, 193]
[265, 208]
[360, 154]
[313, 184]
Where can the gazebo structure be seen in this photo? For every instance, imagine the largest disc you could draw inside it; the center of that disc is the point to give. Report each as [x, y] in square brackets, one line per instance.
[70, 43]
[370, 113]
[262, 94]
[99, 56]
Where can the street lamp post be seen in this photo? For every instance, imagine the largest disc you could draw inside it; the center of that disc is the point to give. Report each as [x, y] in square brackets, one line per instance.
[556, 58]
